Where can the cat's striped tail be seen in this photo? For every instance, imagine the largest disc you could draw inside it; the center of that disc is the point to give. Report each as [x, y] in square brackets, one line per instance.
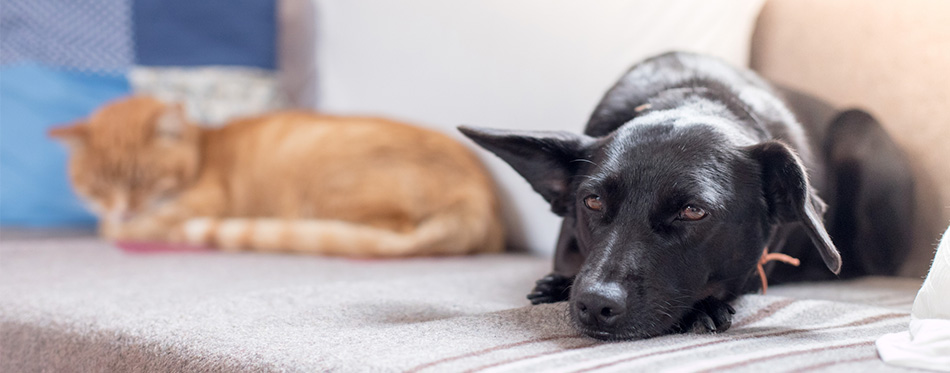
[448, 233]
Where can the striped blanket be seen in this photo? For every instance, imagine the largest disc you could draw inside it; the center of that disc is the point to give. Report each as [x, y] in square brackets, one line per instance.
[77, 304]
[770, 334]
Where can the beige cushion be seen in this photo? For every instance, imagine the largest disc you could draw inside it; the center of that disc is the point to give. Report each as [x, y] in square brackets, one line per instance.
[890, 57]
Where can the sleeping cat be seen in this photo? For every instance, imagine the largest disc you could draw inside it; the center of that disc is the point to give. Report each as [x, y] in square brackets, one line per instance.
[288, 181]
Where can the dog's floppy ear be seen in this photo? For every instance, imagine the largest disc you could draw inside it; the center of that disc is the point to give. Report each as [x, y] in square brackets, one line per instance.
[546, 159]
[791, 197]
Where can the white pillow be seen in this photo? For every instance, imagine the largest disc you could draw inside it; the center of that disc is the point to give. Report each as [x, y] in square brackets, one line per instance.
[527, 64]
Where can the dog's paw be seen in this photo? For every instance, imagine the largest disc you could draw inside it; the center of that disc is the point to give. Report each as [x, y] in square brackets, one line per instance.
[550, 289]
[709, 315]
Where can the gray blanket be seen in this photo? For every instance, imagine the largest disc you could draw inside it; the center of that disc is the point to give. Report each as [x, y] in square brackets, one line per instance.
[78, 304]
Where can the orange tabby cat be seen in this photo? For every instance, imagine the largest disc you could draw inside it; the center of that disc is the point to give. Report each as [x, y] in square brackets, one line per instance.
[294, 181]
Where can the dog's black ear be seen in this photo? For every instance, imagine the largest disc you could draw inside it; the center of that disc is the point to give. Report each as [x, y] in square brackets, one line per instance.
[546, 159]
[791, 197]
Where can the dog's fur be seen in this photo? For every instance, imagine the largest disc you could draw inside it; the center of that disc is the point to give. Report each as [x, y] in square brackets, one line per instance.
[685, 133]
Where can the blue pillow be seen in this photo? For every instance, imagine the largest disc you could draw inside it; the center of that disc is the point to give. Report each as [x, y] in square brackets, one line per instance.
[34, 188]
[205, 32]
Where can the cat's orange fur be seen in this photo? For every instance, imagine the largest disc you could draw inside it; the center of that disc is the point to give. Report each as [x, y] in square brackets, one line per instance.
[290, 181]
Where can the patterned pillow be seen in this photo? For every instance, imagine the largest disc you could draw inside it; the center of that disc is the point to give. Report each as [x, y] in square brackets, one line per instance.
[60, 59]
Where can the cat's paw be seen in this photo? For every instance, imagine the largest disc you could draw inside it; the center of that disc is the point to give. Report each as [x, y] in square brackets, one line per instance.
[110, 231]
[177, 234]
[137, 229]
[709, 315]
[550, 289]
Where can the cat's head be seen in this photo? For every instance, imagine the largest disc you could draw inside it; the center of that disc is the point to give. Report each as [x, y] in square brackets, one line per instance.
[130, 155]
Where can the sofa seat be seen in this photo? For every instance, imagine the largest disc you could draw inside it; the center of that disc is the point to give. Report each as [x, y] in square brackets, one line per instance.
[72, 303]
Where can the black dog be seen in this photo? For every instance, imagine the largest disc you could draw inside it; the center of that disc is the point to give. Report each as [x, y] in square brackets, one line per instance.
[687, 170]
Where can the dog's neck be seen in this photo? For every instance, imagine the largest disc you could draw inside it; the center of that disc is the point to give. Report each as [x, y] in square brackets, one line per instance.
[768, 257]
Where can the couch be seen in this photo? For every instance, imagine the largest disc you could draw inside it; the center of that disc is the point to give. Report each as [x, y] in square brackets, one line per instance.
[71, 302]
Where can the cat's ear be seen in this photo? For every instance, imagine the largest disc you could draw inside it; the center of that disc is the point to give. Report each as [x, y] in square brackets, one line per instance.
[73, 135]
[172, 123]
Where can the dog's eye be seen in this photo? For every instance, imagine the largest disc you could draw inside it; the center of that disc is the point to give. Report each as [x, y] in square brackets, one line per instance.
[593, 202]
[692, 213]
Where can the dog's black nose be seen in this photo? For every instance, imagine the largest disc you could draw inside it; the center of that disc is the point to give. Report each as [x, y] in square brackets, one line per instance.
[601, 305]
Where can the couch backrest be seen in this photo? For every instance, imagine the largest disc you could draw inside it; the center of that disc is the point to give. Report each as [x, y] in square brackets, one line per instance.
[530, 64]
[890, 57]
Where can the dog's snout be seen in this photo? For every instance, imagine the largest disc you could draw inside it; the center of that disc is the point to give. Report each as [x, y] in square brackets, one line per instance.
[601, 305]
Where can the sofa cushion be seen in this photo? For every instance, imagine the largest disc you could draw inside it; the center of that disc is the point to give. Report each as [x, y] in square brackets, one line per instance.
[888, 57]
[78, 304]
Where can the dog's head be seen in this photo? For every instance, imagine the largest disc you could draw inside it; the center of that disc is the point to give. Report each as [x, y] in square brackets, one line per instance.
[666, 214]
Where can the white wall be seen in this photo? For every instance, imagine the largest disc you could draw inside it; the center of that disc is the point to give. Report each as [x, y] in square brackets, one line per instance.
[528, 64]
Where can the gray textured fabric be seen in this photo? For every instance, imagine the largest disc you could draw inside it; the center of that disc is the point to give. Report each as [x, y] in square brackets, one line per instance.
[78, 304]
